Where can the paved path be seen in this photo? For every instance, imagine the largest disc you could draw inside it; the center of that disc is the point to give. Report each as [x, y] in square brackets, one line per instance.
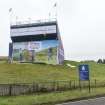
[96, 101]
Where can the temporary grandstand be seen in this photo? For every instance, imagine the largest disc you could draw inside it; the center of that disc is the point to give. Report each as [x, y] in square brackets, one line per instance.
[37, 41]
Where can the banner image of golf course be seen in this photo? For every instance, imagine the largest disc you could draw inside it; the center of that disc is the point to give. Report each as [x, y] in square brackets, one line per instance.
[36, 51]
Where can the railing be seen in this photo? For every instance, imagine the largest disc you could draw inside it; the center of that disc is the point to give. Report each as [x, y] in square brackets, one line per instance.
[48, 86]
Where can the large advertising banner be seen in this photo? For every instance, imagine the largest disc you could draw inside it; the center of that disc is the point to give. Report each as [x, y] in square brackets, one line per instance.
[33, 30]
[36, 51]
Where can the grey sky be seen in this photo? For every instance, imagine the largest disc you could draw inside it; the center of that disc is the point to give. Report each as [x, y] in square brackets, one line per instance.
[81, 22]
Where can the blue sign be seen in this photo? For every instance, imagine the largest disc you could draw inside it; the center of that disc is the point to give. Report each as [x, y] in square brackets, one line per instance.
[84, 72]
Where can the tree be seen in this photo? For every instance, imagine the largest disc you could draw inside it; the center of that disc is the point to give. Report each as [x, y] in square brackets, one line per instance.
[99, 61]
[103, 61]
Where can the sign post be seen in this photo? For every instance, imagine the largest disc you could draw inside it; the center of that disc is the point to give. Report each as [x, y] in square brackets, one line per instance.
[84, 74]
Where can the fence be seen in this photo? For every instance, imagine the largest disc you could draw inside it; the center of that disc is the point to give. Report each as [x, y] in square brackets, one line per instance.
[49, 86]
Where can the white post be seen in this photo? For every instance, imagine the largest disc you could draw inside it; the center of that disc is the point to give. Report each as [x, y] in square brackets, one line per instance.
[10, 22]
[56, 12]
[10, 15]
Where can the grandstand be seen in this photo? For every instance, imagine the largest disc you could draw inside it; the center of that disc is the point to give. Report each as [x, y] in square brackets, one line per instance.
[37, 42]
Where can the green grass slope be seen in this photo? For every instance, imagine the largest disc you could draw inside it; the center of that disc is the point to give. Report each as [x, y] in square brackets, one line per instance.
[12, 73]
[28, 73]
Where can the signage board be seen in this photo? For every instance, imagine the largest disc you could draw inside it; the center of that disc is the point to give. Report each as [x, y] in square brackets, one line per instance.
[38, 51]
[84, 72]
[34, 45]
[33, 30]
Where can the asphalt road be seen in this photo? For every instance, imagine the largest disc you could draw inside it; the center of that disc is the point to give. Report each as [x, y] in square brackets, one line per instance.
[96, 101]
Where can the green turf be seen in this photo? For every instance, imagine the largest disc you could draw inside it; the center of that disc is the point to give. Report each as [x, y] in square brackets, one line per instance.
[11, 73]
[50, 98]
[28, 73]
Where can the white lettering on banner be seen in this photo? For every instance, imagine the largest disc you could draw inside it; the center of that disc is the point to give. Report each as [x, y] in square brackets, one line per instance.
[33, 30]
[34, 45]
[27, 45]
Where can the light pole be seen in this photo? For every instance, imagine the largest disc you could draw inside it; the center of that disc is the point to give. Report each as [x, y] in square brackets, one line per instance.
[10, 44]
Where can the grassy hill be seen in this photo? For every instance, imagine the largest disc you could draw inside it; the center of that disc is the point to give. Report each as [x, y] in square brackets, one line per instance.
[12, 73]
[27, 73]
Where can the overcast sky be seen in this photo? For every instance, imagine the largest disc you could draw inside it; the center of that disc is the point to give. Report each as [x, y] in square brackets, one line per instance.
[81, 23]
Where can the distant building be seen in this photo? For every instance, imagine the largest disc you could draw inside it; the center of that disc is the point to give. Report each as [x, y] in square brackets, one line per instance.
[38, 42]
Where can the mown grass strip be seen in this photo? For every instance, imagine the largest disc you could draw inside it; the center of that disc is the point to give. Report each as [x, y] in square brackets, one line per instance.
[51, 98]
